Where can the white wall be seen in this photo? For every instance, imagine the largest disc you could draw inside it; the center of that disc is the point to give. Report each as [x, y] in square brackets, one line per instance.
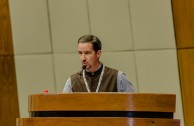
[137, 36]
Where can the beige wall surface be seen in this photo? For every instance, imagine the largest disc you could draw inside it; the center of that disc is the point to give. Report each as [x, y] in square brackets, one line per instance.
[137, 37]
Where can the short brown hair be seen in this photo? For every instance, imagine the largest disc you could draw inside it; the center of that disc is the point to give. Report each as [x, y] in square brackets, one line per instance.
[91, 39]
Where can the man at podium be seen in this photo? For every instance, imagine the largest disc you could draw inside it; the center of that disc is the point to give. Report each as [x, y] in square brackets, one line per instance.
[94, 75]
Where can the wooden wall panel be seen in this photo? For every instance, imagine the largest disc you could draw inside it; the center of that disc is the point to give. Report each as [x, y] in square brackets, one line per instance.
[183, 13]
[6, 47]
[186, 67]
[9, 109]
[8, 92]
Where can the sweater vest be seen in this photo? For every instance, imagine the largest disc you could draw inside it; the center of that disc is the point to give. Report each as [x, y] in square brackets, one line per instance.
[108, 83]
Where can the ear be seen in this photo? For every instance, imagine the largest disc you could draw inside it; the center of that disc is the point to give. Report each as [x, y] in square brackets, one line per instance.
[99, 53]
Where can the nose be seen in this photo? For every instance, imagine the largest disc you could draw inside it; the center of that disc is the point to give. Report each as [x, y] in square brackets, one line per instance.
[83, 57]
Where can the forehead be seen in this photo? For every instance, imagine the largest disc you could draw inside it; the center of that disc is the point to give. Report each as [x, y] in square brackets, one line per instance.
[85, 46]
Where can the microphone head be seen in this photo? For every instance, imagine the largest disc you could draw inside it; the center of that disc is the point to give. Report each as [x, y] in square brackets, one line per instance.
[83, 67]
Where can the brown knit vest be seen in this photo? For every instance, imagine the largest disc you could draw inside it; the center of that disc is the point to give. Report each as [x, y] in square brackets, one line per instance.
[108, 84]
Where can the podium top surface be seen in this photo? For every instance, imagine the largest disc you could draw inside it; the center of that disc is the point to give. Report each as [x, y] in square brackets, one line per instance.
[146, 102]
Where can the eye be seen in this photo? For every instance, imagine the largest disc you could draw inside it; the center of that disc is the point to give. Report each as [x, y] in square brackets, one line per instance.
[79, 52]
[87, 52]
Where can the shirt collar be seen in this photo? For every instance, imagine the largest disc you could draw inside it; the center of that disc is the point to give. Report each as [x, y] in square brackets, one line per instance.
[98, 71]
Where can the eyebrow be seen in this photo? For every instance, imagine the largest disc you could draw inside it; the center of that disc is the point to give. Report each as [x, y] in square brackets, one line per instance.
[84, 51]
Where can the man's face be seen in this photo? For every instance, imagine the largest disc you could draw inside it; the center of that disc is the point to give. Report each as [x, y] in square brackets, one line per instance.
[88, 56]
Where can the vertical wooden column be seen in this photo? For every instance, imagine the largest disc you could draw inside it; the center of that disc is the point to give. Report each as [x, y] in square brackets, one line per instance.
[9, 109]
[183, 14]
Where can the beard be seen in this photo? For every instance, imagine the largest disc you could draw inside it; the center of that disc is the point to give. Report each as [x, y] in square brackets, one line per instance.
[88, 67]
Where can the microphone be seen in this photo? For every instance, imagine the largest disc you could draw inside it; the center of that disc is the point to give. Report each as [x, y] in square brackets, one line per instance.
[83, 68]
[78, 76]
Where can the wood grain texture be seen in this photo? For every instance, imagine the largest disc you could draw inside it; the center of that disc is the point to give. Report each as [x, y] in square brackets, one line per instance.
[186, 66]
[6, 47]
[9, 109]
[89, 121]
[183, 14]
[103, 102]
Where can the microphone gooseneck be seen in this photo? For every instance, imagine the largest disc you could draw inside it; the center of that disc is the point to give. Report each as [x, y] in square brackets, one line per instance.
[83, 68]
[78, 75]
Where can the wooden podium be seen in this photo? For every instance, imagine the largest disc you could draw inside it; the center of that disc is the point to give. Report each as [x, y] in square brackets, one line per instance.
[101, 109]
